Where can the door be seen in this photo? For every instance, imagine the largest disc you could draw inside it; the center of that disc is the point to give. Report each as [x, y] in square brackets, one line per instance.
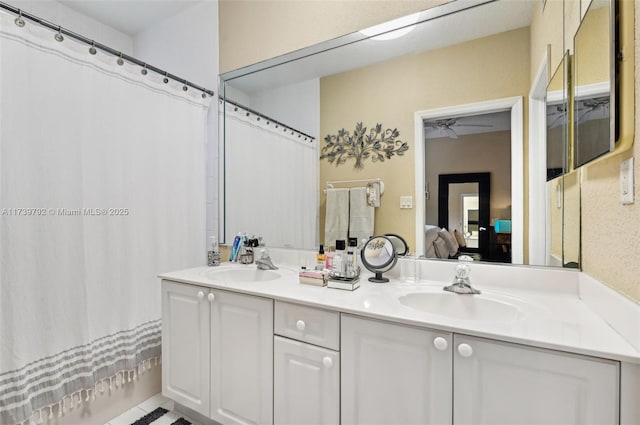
[241, 359]
[501, 383]
[394, 374]
[185, 345]
[307, 383]
[480, 217]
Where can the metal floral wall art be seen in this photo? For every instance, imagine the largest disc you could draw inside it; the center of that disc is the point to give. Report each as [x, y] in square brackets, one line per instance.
[375, 143]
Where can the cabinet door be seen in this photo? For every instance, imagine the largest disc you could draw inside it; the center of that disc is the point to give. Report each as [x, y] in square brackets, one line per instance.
[501, 383]
[307, 383]
[241, 359]
[394, 374]
[185, 345]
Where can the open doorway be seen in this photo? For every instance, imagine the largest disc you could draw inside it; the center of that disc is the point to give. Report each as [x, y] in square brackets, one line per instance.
[455, 124]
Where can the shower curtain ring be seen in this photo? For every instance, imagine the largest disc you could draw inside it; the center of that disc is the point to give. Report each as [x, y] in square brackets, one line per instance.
[165, 79]
[19, 21]
[144, 71]
[92, 49]
[120, 60]
[58, 35]
[185, 87]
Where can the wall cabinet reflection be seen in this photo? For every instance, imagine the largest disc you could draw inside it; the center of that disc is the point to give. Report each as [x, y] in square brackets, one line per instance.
[594, 91]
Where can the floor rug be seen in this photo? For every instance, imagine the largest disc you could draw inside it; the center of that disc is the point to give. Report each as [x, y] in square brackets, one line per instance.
[156, 416]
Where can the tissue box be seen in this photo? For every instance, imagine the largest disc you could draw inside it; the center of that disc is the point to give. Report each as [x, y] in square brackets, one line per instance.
[312, 277]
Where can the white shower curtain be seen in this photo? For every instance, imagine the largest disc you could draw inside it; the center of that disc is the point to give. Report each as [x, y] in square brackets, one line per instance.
[271, 185]
[102, 187]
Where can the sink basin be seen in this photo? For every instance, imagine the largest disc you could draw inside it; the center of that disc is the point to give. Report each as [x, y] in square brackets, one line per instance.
[465, 307]
[244, 275]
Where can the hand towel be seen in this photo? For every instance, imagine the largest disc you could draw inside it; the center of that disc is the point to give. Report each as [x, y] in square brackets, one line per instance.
[361, 215]
[336, 224]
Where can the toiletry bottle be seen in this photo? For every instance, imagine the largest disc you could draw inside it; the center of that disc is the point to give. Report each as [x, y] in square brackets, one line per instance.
[213, 255]
[352, 257]
[339, 263]
[235, 248]
[321, 258]
[330, 253]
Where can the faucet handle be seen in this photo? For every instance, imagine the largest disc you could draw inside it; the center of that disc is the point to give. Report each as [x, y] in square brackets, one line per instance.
[463, 271]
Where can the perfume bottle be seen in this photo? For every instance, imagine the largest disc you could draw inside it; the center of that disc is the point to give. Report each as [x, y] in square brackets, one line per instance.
[321, 258]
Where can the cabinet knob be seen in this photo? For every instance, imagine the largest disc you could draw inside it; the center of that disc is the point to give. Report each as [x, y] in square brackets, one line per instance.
[301, 325]
[200, 295]
[465, 350]
[327, 362]
[211, 297]
[440, 343]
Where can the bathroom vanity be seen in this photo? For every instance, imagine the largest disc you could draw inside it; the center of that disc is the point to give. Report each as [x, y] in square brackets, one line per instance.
[244, 346]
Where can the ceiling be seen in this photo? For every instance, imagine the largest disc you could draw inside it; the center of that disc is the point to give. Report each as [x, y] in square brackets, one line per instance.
[129, 16]
[473, 23]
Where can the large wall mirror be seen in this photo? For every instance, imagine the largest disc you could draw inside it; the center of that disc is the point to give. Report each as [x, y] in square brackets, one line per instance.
[304, 96]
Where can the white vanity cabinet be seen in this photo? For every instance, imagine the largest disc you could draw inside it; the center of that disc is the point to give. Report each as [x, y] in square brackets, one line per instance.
[244, 359]
[186, 358]
[503, 383]
[217, 353]
[306, 375]
[241, 359]
[394, 374]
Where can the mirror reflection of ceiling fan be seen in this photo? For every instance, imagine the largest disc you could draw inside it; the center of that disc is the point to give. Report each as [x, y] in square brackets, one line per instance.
[556, 115]
[448, 125]
[590, 109]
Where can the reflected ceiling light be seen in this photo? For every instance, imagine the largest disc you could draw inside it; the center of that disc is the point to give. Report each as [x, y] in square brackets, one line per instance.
[404, 24]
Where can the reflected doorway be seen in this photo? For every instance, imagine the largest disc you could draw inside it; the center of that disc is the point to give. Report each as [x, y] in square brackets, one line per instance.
[464, 203]
[470, 216]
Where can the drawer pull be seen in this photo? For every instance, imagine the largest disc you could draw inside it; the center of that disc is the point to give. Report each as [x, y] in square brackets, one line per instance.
[211, 297]
[300, 325]
[200, 295]
[465, 350]
[440, 343]
[327, 362]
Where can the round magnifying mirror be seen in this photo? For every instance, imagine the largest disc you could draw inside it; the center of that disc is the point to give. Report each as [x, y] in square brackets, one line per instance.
[399, 243]
[379, 255]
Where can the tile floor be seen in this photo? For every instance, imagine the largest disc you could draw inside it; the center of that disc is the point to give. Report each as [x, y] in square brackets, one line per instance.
[149, 405]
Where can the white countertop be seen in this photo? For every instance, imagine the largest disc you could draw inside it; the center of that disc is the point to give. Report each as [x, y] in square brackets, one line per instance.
[557, 320]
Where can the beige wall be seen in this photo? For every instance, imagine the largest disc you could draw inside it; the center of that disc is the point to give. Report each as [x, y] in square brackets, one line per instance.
[489, 68]
[610, 230]
[478, 153]
[254, 30]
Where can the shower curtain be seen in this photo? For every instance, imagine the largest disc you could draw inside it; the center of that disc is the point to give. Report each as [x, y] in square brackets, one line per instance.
[102, 187]
[271, 184]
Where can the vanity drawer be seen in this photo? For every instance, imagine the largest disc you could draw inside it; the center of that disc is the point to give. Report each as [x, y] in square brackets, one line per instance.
[308, 324]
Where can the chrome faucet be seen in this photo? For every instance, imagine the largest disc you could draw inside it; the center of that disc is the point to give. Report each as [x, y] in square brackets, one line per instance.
[264, 262]
[462, 283]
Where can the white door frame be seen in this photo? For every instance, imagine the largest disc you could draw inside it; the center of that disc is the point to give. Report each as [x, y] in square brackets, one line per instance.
[539, 247]
[515, 105]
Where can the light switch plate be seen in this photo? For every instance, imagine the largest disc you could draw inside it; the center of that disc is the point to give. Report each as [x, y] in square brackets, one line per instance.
[626, 181]
[406, 202]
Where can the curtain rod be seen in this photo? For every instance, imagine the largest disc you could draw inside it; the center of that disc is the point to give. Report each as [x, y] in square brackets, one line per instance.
[22, 14]
[251, 111]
